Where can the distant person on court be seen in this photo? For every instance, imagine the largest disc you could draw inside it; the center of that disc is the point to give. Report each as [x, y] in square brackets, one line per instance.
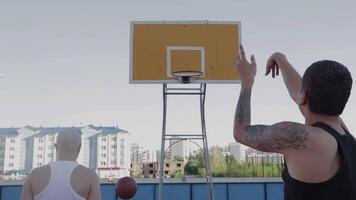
[320, 155]
[63, 179]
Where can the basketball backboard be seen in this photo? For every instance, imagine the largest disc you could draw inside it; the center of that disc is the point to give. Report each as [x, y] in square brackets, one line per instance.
[160, 48]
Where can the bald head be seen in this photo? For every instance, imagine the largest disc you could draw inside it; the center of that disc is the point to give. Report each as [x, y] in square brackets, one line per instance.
[69, 142]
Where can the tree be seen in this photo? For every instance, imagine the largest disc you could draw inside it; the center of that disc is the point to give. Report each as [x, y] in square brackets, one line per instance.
[218, 165]
[232, 168]
[195, 165]
[192, 167]
[227, 166]
[178, 175]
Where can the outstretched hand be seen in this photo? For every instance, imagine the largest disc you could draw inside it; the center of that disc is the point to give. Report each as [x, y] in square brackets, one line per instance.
[247, 70]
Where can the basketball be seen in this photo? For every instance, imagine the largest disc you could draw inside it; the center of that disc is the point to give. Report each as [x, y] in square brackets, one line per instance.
[126, 188]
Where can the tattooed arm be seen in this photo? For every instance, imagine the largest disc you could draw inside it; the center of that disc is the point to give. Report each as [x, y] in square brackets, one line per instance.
[280, 137]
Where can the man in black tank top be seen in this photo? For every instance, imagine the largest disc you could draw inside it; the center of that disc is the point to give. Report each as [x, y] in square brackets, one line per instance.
[320, 155]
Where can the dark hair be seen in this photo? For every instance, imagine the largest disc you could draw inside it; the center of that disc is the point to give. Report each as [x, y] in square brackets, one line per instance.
[327, 85]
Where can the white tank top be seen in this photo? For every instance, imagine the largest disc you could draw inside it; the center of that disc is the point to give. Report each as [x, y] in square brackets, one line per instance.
[59, 186]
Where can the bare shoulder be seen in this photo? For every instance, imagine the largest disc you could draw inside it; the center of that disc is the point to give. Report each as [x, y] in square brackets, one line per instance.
[39, 178]
[308, 141]
[319, 138]
[86, 183]
[83, 173]
[319, 155]
[35, 182]
[86, 171]
[40, 174]
[40, 170]
[82, 180]
[303, 137]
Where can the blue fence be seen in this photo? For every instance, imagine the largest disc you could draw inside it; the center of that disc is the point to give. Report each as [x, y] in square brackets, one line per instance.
[229, 190]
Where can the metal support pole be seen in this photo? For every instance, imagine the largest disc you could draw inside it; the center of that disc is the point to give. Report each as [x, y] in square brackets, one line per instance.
[202, 136]
[263, 167]
[205, 143]
[163, 143]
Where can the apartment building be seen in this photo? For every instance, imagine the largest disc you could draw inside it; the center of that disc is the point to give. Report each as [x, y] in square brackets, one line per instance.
[104, 149]
[14, 143]
[238, 150]
[43, 146]
[180, 149]
[113, 153]
[258, 157]
[140, 155]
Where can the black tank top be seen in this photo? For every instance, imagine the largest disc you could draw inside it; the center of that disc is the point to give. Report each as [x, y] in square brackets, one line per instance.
[342, 186]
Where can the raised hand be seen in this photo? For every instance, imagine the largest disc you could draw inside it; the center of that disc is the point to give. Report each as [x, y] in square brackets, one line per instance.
[274, 63]
[278, 63]
[247, 70]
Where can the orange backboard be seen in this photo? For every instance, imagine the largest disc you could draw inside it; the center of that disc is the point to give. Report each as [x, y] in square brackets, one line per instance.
[160, 48]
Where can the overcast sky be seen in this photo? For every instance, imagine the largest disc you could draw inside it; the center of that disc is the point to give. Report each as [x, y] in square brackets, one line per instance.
[67, 62]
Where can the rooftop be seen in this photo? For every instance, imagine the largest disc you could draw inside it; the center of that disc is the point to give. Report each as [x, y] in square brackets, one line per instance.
[53, 130]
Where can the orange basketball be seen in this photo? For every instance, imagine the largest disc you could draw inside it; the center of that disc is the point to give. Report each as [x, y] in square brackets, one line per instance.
[126, 188]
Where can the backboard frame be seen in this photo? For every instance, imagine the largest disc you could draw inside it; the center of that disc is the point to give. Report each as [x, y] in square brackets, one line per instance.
[185, 48]
[173, 81]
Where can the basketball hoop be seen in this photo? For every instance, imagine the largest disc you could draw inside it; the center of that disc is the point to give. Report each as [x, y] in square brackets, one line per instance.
[187, 77]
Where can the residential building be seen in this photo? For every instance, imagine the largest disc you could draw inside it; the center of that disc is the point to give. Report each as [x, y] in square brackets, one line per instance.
[113, 153]
[139, 154]
[103, 149]
[179, 149]
[238, 151]
[258, 157]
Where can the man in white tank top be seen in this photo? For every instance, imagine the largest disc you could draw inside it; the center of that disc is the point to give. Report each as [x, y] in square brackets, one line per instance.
[63, 179]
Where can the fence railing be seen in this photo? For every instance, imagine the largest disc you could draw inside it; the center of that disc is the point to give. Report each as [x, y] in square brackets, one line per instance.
[191, 189]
